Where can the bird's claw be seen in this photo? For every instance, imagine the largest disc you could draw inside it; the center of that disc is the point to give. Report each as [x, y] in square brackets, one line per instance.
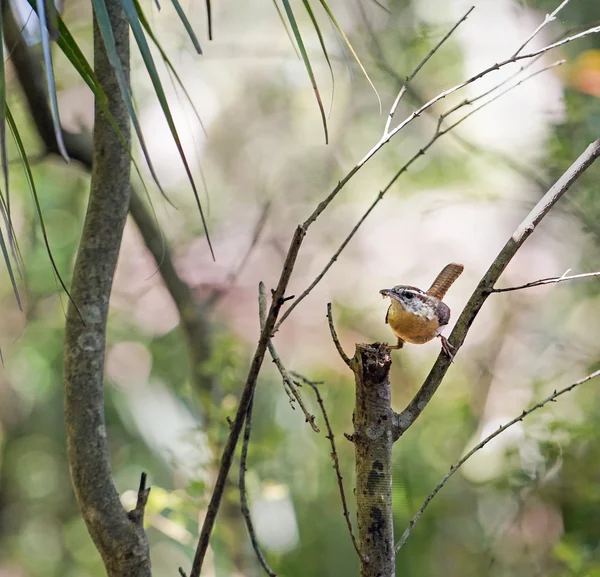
[447, 348]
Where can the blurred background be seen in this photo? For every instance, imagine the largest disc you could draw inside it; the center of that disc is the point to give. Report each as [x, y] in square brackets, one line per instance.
[529, 504]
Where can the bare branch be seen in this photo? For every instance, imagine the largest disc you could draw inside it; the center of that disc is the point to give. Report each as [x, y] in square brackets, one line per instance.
[245, 398]
[483, 443]
[485, 286]
[552, 280]
[334, 458]
[288, 382]
[418, 68]
[549, 18]
[244, 494]
[334, 336]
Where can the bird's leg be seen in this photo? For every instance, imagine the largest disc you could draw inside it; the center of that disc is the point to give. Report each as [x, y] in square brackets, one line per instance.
[447, 347]
[398, 346]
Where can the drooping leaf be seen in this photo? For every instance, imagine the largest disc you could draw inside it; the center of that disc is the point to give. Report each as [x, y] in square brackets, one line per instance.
[109, 44]
[166, 59]
[74, 54]
[285, 27]
[3, 247]
[45, 37]
[296, 31]
[323, 48]
[32, 188]
[353, 52]
[142, 43]
[187, 25]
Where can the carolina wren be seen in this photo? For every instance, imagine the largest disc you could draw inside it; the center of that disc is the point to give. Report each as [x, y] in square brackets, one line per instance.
[416, 316]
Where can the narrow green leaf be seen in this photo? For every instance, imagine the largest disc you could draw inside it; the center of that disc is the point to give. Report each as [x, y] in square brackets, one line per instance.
[31, 183]
[285, 27]
[3, 247]
[345, 38]
[309, 70]
[41, 12]
[138, 33]
[324, 48]
[166, 60]
[187, 25]
[109, 43]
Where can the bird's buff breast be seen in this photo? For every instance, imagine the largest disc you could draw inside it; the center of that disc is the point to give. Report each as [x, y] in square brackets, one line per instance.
[417, 326]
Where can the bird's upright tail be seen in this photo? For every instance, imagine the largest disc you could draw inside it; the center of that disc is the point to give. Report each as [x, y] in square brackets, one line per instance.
[445, 279]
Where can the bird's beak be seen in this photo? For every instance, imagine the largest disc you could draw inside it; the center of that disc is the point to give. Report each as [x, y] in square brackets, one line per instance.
[386, 293]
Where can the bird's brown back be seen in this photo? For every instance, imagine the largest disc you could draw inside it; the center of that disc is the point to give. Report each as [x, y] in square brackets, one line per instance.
[444, 280]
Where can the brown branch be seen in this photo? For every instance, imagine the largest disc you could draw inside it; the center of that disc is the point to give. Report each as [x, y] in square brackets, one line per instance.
[336, 340]
[486, 285]
[334, 458]
[543, 281]
[245, 398]
[244, 494]
[122, 543]
[483, 443]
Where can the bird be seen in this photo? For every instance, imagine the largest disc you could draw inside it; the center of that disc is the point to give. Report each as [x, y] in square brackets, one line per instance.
[416, 316]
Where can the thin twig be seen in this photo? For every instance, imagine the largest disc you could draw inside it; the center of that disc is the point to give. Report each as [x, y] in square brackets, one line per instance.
[549, 18]
[336, 340]
[288, 382]
[479, 446]
[233, 276]
[437, 134]
[334, 458]
[551, 280]
[418, 68]
[244, 494]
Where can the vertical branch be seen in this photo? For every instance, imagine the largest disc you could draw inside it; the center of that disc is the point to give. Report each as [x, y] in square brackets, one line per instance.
[373, 422]
[120, 540]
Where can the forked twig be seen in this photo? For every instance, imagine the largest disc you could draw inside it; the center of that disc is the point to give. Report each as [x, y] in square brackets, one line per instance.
[334, 336]
[549, 18]
[479, 446]
[288, 382]
[334, 458]
[418, 68]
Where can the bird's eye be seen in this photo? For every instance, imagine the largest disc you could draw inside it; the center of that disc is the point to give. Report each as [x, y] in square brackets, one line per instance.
[408, 295]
